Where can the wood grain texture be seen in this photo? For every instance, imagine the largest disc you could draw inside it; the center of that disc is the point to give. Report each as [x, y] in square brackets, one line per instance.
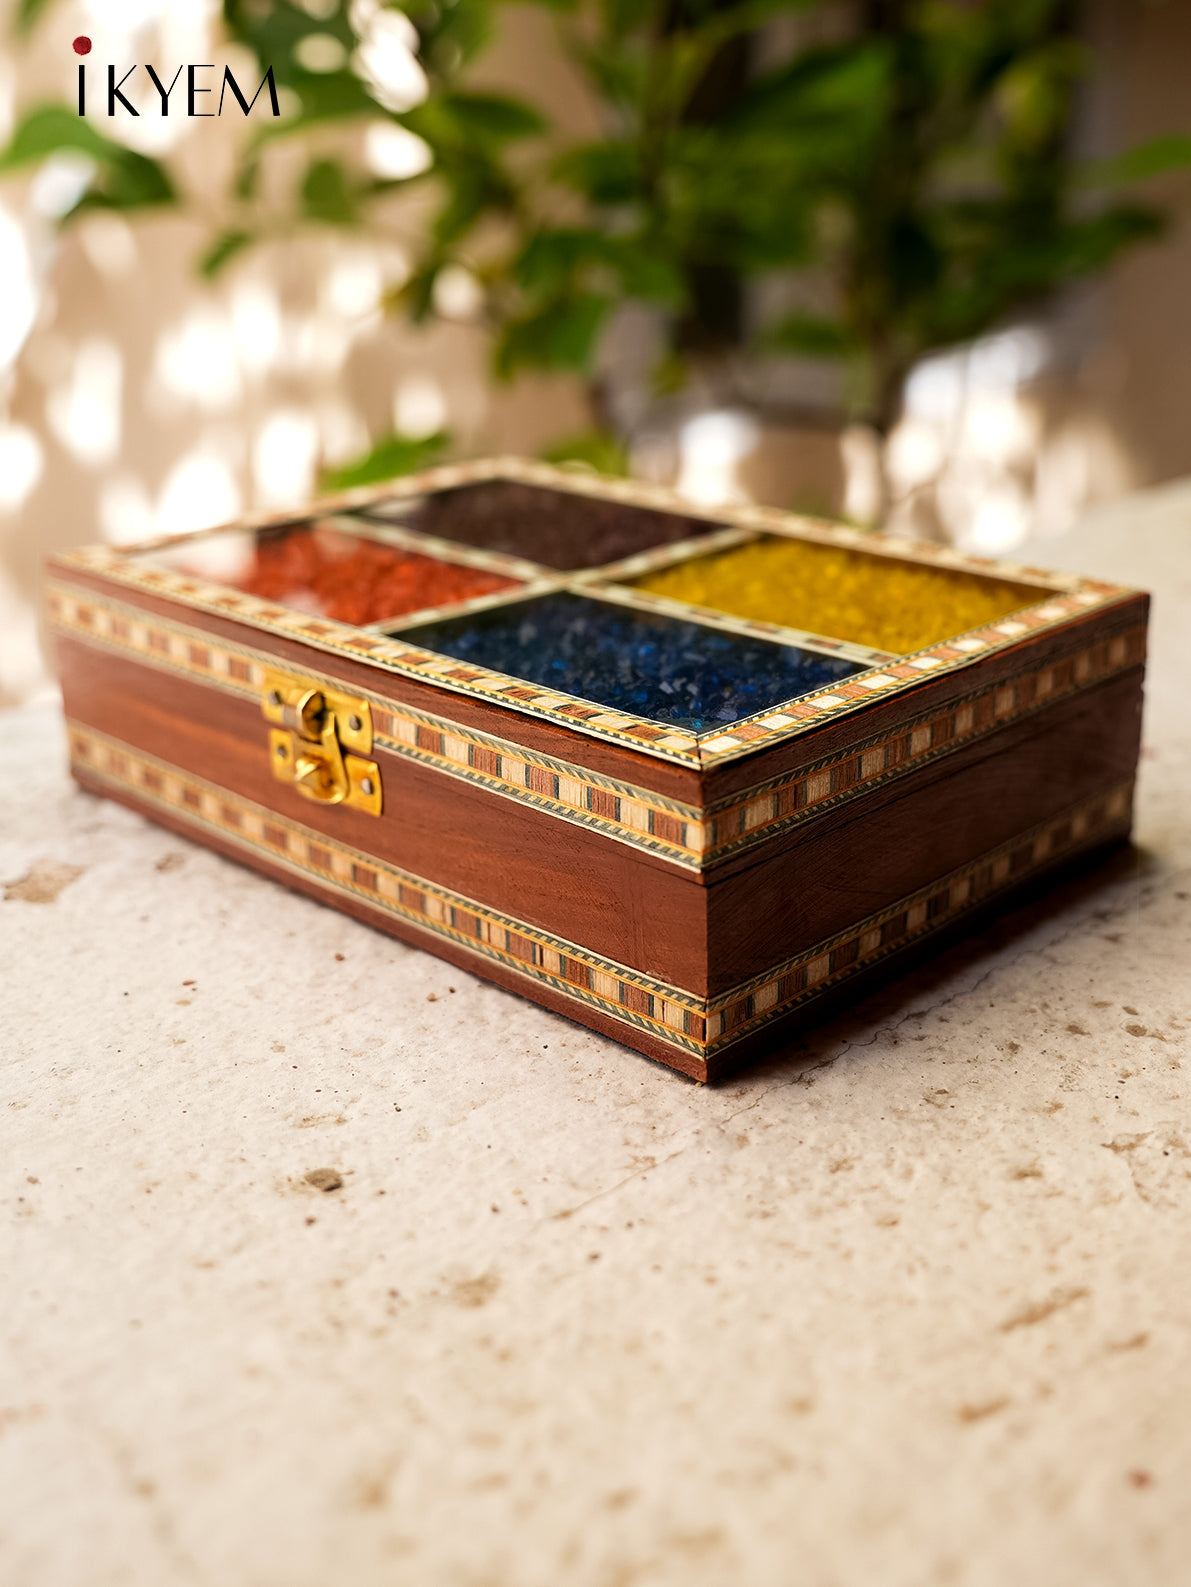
[707, 933]
[623, 904]
[634, 908]
[673, 1057]
[846, 865]
[547, 738]
[720, 1064]
[846, 995]
[707, 786]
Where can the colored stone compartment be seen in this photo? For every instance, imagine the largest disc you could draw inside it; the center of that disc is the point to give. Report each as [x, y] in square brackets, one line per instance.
[320, 570]
[881, 602]
[641, 663]
[551, 527]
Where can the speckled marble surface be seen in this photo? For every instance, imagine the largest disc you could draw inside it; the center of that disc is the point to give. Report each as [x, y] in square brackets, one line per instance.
[908, 1304]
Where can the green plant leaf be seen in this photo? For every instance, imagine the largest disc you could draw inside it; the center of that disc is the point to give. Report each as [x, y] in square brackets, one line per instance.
[50, 129]
[327, 195]
[647, 271]
[28, 12]
[248, 179]
[223, 250]
[1154, 158]
[473, 189]
[391, 457]
[337, 96]
[1092, 243]
[332, 96]
[273, 30]
[549, 262]
[606, 173]
[597, 449]
[416, 296]
[619, 74]
[843, 86]
[494, 117]
[123, 178]
[560, 337]
[812, 335]
[131, 182]
[452, 35]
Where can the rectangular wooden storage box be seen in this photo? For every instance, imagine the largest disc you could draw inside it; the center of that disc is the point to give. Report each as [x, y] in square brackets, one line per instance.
[676, 774]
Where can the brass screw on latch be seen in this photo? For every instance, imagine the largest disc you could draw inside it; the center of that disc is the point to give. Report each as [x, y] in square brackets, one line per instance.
[308, 748]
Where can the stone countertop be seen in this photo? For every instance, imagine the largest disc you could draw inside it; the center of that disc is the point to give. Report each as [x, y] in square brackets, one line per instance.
[905, 1305]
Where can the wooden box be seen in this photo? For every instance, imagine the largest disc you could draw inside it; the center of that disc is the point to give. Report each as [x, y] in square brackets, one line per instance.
[677, 774]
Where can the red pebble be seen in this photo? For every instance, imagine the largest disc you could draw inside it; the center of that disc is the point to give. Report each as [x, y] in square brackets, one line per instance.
[360, 581]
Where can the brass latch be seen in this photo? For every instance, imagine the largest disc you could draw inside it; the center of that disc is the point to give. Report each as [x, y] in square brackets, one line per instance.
[320, 743]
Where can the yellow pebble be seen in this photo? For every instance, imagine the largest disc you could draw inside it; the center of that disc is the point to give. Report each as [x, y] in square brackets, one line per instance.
[881, 602]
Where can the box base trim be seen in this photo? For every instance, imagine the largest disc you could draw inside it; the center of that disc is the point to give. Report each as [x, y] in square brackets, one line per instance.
[667, 1022]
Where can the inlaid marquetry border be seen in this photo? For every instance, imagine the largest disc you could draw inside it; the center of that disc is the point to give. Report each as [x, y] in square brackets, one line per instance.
[645, 601]
[696, 1025]
[668, 1012]
[1067, 598]
[659, 825]
[759, 812]
[778, 991]
[615, 808]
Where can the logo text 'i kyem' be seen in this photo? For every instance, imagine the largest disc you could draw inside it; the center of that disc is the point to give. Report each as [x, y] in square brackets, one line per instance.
[193, 90]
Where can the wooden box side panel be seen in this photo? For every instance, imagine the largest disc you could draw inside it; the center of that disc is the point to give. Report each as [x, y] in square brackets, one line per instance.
[577, 885]
[889, 746]
[735, 1045]
[178, 621]
[643, 1024]
[871, 855]
[698, 1035]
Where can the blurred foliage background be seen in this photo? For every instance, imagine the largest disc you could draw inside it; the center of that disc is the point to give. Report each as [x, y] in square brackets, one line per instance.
[698, 230]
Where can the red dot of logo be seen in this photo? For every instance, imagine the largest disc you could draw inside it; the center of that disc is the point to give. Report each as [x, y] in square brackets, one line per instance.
[82, 45]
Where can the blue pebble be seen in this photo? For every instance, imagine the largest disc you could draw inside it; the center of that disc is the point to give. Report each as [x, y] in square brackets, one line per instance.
[642, 663]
